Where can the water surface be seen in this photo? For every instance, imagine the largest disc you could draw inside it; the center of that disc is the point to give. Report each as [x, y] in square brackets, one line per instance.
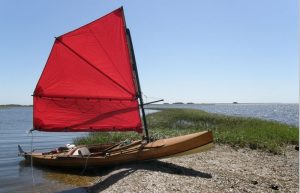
[284, 113]
[16, 122]
[15, 175]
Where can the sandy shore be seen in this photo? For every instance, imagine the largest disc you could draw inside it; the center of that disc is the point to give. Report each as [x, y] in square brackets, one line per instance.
[223, 169]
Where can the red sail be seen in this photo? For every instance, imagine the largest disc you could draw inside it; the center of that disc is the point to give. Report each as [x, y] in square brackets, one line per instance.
[88, 83]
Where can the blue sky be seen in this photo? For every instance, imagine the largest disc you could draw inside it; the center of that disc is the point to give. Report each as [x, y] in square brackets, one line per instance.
[190, 51]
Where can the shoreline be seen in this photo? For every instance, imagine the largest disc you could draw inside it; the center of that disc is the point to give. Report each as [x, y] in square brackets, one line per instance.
[254, 133]
[223, 169]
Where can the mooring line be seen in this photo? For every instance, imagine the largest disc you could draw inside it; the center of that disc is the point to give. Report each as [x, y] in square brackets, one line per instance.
[31, 161]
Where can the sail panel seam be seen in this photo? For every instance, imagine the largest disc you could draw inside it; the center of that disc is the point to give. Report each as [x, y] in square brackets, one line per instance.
[87, 98]
[94, 67]
[99, 43]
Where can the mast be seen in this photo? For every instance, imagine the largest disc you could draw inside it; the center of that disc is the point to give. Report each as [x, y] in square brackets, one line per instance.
[139, 91]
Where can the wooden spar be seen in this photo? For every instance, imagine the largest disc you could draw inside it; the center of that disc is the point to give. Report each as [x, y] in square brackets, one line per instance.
[139, 92]
[153, 102]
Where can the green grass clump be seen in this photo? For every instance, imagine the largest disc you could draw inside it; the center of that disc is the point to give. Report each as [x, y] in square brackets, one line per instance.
[106, 137]
[236, 131]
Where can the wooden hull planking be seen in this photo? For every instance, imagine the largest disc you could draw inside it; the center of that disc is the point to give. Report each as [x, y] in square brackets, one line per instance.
[163, 148]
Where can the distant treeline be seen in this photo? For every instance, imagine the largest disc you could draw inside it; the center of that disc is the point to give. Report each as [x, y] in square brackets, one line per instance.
[179, 103]
[14, 105]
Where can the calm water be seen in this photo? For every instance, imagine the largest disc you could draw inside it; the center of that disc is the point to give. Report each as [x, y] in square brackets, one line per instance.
[15, 175]
[15, 122]
[285, 113]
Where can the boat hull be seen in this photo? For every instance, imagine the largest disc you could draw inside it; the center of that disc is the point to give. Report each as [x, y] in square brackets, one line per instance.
[176, 146]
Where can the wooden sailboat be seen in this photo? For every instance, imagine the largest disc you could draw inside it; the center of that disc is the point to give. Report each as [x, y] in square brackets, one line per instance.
[90, 83]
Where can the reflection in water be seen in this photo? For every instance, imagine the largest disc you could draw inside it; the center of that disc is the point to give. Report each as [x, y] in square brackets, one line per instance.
[66, 177]
[74, 179]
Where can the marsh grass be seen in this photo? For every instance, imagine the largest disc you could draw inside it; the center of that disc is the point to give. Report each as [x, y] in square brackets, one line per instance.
[235, 131]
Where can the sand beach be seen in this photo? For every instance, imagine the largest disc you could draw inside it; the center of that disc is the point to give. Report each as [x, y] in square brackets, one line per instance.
[223, 169]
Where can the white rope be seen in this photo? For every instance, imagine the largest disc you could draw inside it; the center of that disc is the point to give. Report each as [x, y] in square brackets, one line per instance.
[154, 98]
[31, 161]
[147, 110]
[82, 172]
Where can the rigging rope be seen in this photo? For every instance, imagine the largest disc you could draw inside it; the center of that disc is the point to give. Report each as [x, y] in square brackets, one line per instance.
[156, 135]
[82, 172]
[154, 98]
[147, 110]
[31, 160]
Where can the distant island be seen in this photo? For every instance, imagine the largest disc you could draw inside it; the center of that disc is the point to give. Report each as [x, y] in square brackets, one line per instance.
[177, 103]
[14, 105]
[181, 103]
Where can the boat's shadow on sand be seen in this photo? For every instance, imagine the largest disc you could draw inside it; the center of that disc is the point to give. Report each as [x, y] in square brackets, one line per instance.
[113, 174]
[156, 165]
